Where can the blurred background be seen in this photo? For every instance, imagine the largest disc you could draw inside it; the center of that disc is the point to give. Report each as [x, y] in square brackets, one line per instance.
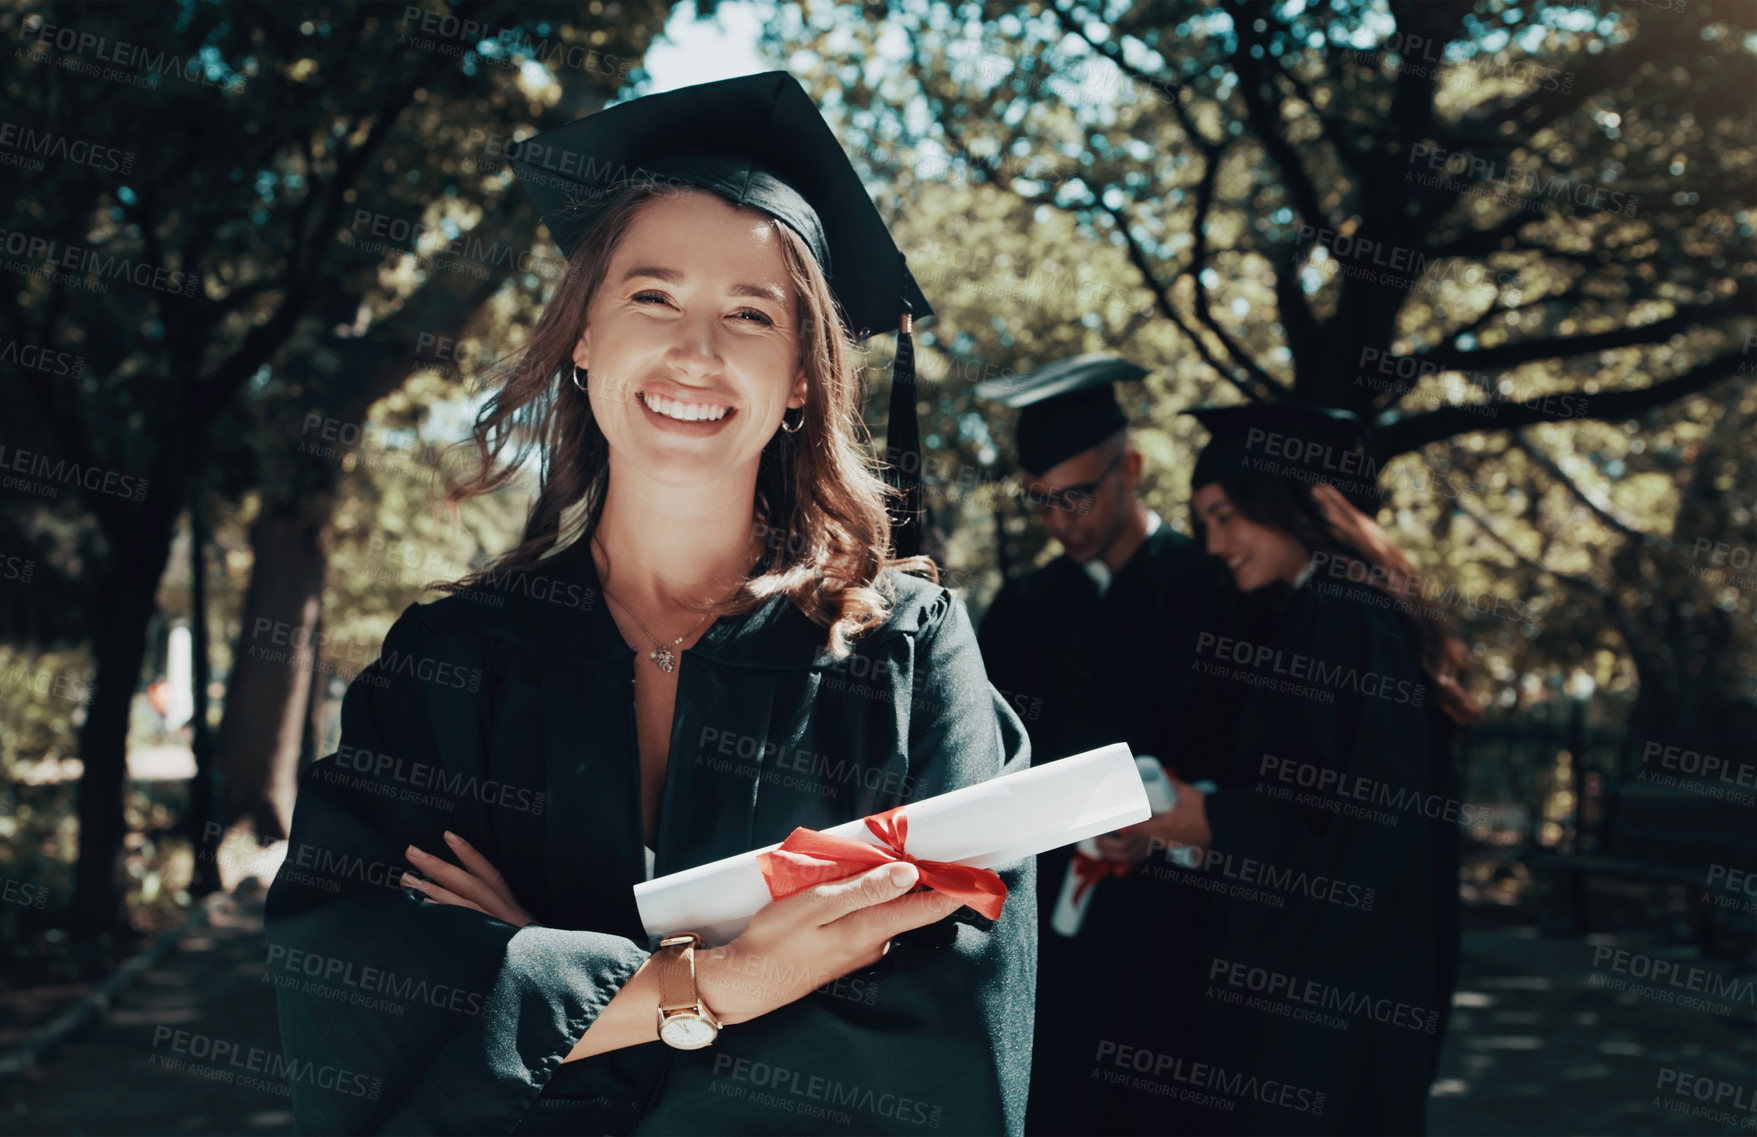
[261, 260]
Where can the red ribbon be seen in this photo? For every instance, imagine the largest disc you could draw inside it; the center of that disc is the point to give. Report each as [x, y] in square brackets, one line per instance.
[808, 857]
[1089, 870]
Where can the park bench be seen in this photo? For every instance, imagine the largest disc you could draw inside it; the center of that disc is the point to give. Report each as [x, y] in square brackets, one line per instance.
[1663, 836]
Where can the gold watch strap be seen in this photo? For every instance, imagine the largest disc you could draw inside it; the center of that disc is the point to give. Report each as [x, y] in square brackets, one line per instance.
[676, 964]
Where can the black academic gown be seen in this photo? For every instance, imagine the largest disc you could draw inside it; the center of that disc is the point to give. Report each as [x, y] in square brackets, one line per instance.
[1333, 934]
[507, 716]
[1085, 670]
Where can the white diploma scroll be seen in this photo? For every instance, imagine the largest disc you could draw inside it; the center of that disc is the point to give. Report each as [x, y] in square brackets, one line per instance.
[985, 825]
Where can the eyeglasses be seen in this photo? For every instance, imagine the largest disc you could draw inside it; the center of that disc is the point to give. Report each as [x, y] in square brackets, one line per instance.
[1071, 499]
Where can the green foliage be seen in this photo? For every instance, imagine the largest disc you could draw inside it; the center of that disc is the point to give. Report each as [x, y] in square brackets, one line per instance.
[1539, 216]
[392, 536]
[300, 201]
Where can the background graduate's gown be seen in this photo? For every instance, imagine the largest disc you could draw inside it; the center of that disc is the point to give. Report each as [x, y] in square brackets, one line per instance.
[1086, 669]
[1366, 924]
[507, 716]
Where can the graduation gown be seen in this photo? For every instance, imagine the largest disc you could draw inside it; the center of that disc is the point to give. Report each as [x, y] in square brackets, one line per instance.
[1348, 895]
[506, 714]
[1086, 669]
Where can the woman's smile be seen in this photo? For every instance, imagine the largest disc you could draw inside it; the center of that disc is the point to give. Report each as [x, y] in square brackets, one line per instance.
[692, 415]
[684, 409]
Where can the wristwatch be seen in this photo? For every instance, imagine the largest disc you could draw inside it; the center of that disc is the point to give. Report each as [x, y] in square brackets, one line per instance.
[684, 1020]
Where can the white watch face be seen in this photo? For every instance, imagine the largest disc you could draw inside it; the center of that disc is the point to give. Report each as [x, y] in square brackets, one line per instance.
[687, 1032]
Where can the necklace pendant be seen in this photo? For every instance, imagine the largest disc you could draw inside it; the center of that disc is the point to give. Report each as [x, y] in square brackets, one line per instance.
[662, 658]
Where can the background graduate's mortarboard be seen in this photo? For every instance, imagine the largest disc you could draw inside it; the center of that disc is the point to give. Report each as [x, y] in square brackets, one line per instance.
[756, 141]
[1065, 408]
[1302, 442]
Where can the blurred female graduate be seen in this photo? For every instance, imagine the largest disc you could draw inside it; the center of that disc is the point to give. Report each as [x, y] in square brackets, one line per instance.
[1333, 940]
[511, 766]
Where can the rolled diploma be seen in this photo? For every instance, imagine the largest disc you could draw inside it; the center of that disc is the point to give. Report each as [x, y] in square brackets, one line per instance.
[988, 824]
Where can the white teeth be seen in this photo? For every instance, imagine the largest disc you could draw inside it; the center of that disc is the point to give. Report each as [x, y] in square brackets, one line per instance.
[683, 412]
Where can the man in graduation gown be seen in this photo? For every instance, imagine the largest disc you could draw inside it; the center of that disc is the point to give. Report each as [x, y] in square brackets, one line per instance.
[1093, 648]
[505, 716]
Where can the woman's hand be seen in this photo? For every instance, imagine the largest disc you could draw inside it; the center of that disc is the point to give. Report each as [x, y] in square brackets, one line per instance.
[813, 937]
[477, 885]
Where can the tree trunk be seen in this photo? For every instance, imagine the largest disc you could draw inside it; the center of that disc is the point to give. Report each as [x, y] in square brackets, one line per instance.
[127, 598]
[276, 661]
[311, 740]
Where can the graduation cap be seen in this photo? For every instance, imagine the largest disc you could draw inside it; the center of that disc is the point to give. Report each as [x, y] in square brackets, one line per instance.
[757, 141]
[1301, 442]
[1065, 408]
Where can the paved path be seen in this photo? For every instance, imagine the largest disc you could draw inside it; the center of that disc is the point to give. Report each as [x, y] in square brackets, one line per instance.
[1541, 1043]
[115, 1080]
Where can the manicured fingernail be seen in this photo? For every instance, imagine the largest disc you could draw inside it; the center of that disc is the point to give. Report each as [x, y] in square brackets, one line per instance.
[417, 854]
[903, 874]
[408, 881]
[453, 838]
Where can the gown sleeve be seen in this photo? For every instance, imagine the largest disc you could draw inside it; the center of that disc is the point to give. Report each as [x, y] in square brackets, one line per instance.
[452, 1021]
[937, 1036]
[967, 733]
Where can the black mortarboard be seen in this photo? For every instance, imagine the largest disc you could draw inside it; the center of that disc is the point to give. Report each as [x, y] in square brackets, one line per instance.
[1301, 442]
[1065, 408]
[757, 141]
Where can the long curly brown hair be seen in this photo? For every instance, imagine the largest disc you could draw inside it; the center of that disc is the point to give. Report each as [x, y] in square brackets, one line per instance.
[1319, 517]
[820, 498]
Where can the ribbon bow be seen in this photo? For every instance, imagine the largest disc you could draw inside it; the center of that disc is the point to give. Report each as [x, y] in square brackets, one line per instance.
[1089, 870]
[808, 857]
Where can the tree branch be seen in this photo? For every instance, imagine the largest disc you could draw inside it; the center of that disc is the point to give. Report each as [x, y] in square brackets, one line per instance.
[1335, 131]
[1298, 323]
[1162, 301]
[303, 286]
[1255, 385]
[1199, 265]
[1560, 93]
[1173, 90]
[1601, 509]
[1572, 296]
[1526, 351]
[1433, 23]
[1585, 583]
[1416, 431]
[1482, 242]
[1265, 119]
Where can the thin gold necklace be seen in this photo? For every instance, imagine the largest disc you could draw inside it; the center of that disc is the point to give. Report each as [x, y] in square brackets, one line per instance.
[661, 654]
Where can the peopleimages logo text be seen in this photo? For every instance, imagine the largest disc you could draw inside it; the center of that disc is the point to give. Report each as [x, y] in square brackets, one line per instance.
[1266, 661]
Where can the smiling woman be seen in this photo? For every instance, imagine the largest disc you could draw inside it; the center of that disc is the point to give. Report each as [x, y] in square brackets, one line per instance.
[1342, 682]
[691, 390]
[702, 321]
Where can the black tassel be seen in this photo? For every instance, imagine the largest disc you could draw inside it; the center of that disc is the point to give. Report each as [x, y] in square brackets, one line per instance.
[903, 446]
